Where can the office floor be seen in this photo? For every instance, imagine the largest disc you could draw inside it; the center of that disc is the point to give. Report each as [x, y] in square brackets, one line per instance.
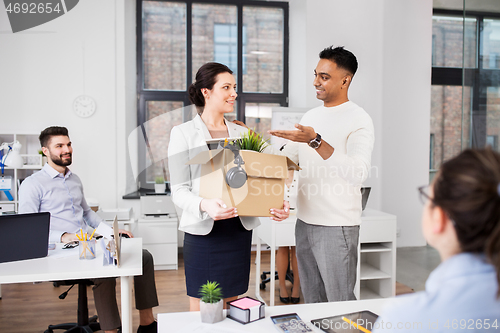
[414, 264]
[29, 307]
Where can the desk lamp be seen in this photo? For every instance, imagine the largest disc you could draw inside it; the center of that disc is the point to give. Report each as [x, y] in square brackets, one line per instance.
[13, 158]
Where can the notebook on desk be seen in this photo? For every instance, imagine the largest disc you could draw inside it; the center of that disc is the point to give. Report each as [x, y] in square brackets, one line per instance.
[24, 236]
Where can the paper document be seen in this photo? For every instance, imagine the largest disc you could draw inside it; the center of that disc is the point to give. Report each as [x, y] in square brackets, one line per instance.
[104, 230]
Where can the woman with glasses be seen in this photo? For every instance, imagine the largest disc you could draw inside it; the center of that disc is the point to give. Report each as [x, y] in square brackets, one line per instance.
[461, 219]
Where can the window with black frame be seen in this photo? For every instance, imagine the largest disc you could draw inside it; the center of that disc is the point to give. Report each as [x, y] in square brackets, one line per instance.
[175, 38]
[465, 93]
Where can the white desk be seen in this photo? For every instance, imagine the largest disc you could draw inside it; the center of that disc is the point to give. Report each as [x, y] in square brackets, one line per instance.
[376, 272]
[54, 268]
[184, 322]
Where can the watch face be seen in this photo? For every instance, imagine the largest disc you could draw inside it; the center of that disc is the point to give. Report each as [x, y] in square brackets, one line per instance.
[84, 106]
[314, 144]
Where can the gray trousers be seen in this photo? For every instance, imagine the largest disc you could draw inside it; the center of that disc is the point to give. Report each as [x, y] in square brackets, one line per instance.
[105, 294]
[327, 258]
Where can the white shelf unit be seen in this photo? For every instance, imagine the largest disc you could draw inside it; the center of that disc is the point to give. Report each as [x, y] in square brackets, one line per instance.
[32, 163]
[377, 256]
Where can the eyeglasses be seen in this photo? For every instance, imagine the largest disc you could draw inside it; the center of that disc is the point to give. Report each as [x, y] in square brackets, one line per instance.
[424, 194]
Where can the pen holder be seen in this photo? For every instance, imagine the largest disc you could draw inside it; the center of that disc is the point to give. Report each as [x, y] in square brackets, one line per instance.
[86, 249]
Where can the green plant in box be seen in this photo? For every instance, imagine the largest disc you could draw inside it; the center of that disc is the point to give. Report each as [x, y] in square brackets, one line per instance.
[159, 180]
[210, 292]
[251, 140]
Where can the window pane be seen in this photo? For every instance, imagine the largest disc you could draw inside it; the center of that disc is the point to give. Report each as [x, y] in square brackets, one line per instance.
[447, 41]
[164, 45]
[490, 43]
[215, 36]
[493, 116]
[161, 117]
[263, 49]
[449, 126]
[258, 117]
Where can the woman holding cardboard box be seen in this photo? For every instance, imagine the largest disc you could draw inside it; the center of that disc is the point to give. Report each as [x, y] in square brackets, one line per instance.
[217, 242]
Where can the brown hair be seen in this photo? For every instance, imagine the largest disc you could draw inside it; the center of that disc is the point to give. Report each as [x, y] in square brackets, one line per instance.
[205, 78]
[467, 189]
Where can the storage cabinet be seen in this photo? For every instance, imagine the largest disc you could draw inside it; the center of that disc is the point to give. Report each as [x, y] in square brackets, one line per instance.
[377, 256]
[159, 236]
[32, 163]
[158, 229]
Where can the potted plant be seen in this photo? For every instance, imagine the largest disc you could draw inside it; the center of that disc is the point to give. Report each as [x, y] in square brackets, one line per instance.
[43, 157]
[160, 185]
[251, 140]
[211, 302]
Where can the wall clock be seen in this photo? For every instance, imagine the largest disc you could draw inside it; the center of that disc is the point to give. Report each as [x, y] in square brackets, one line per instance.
[84, 106]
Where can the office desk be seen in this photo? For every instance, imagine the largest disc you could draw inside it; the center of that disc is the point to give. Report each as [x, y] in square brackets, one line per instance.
[376, 271]
[184, 322]
[54, 268]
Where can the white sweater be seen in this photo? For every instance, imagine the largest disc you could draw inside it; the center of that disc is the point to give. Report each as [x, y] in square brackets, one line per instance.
[329, 190]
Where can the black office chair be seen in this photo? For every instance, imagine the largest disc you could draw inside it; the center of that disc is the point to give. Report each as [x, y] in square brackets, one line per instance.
[84, 324]
[265, 279]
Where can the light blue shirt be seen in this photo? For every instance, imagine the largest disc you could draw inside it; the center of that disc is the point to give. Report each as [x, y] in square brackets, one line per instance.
[460, 295]
[62, 196]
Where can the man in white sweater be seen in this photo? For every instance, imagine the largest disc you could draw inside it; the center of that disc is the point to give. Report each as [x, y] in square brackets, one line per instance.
[334, 166]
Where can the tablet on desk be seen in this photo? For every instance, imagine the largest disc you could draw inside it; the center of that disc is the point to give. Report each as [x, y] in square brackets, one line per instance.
[355, 322]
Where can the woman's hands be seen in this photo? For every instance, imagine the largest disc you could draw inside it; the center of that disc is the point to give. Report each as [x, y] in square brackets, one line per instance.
[217, 209]
[281, 214]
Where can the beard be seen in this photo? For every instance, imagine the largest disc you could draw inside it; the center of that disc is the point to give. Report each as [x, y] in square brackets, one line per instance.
[59, 161]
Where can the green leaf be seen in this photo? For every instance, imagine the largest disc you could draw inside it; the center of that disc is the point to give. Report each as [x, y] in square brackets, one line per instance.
[210, 292]
[252, 140]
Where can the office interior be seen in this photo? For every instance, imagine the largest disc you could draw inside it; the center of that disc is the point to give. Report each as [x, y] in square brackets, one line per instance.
[92, 50]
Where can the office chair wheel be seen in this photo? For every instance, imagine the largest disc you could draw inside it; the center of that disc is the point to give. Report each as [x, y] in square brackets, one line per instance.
[262, 286]
[263, 276]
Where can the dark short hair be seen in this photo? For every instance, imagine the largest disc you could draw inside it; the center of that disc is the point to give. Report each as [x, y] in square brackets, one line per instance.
[205, 78]
[49, 132]
[343, 58]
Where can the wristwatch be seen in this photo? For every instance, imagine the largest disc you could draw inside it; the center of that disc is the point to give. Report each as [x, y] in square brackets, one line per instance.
[316, 142]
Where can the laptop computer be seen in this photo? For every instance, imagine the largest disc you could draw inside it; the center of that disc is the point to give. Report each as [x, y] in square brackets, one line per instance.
[24, 236]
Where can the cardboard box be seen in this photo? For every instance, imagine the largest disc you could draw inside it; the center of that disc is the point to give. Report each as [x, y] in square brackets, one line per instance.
[263, 190]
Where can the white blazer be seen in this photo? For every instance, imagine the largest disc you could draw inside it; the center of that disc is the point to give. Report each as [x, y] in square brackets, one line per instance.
[186, 141]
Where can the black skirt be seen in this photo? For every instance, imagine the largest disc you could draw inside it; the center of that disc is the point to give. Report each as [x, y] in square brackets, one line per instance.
[222, 256]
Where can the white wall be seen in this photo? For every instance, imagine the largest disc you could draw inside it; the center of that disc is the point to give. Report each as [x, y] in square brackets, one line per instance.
[41, 74]
[406, 112]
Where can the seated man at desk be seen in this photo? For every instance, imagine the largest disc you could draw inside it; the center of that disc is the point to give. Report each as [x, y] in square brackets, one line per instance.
[57, 190]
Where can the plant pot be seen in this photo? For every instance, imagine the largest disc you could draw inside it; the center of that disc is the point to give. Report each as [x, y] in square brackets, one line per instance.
[211, 312]
[160, 188]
